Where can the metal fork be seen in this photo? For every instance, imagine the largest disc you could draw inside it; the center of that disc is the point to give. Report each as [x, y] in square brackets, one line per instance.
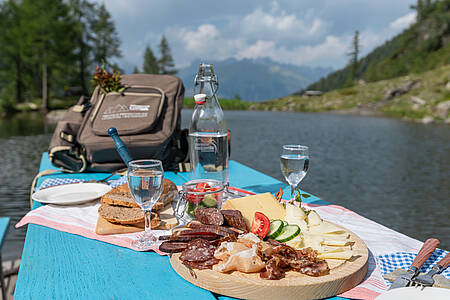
[102, 180]
[427, 279]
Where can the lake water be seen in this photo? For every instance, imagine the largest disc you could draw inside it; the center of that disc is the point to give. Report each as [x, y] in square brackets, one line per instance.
[393, 172]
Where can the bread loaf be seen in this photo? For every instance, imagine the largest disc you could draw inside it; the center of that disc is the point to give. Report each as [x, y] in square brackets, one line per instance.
[126, 215]
[121, 196]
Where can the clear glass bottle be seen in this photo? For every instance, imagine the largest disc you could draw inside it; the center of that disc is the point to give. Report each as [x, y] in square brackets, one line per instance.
[208, 135]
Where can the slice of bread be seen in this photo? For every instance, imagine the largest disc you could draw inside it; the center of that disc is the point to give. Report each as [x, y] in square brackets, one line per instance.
[126, 215]
[121, 196]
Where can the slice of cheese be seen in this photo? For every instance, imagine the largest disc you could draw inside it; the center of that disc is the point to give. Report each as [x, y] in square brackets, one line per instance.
[332, 242]
[313, 241]
[325, 228]
[346, 254]
[326, 249]
[265, 203]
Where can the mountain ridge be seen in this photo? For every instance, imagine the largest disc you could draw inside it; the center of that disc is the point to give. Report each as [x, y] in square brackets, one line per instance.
[256, 80]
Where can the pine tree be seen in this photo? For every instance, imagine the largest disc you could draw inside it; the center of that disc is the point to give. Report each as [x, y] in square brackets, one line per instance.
[46, 33]
[106, 40]
[11, 54]
[136, 70]
[150, 65]
[48, 45]
[166, 64]
[83, 14]
[353, 60]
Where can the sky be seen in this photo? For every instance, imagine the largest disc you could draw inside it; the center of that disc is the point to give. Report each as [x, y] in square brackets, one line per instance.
[300, 32]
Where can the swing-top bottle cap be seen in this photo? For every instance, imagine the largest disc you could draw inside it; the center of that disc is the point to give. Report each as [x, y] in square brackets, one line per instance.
[200, 98]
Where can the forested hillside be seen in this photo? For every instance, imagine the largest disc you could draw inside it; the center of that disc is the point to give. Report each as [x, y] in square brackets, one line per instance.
[425, 45]
[50, 48]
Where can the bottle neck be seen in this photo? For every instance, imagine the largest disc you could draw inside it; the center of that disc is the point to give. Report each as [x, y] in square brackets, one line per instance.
[206, 87]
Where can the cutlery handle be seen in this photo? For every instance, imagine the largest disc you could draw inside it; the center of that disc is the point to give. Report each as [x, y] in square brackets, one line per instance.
[425, 252]
[445, 261]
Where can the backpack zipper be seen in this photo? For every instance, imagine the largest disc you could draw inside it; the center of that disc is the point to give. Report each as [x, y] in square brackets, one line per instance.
[147, 91]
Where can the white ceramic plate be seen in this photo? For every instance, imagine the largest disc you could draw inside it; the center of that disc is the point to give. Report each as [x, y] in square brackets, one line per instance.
[415, 293]
[74, 193]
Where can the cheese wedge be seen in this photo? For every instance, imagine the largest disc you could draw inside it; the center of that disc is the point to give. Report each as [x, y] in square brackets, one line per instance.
[265, 203]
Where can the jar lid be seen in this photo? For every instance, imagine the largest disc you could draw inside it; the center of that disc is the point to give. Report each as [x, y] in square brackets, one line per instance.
[200, 98]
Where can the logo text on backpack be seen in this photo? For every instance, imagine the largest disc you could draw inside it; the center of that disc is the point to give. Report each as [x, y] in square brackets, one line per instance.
[121, 111]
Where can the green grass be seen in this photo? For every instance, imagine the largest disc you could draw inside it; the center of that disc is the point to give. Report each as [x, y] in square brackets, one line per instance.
[226, 104]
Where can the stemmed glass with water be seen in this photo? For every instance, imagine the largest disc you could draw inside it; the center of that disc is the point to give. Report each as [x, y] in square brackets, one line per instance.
[146, 181]
[294, 165]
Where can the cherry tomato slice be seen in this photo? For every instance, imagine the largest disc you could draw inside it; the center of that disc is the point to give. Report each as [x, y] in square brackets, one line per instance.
[202, 186]
[260, 225]
[194, 199]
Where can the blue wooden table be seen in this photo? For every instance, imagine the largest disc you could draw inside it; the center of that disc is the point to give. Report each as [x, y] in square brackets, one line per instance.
[59, 265]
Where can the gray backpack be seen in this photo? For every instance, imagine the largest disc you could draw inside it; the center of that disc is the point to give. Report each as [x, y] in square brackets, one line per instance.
[146, 115]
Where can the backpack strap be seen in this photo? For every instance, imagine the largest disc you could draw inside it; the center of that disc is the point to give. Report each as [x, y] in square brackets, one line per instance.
[33, 184]
[81, 108]
[184, 167]
[67, 154]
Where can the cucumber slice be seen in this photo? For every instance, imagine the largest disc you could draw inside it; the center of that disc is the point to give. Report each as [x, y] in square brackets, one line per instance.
[288, 233]
[276, 226]
[285, 223]
[190, 209]
[209, 201]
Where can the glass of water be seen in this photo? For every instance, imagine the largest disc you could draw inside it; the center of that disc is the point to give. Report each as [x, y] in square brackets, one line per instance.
[146, 181]
[294, 165]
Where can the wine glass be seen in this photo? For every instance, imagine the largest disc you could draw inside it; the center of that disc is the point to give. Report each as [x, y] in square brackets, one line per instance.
[294, 165]
[146, 181]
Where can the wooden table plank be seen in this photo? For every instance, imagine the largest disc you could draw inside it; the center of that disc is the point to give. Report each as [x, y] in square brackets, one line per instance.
[4, 223]
[58, 265]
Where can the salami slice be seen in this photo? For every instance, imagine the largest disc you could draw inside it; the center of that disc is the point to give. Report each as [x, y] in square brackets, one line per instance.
[199, 226]
[172, 247]
[234, 219]
[201, 231]
[207, 264]
[209, 216]
[198, 250]
[190, 237]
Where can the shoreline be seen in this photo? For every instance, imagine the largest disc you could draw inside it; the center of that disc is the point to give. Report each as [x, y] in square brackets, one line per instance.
[53, 116]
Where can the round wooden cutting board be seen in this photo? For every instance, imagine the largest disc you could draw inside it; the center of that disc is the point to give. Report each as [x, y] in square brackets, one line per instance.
[342, 277]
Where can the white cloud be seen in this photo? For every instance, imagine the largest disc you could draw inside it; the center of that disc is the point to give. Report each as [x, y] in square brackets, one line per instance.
[403, 22]
[310, 32]
[261, 24]
[327, 53]
[198, 41]
[259, 49]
